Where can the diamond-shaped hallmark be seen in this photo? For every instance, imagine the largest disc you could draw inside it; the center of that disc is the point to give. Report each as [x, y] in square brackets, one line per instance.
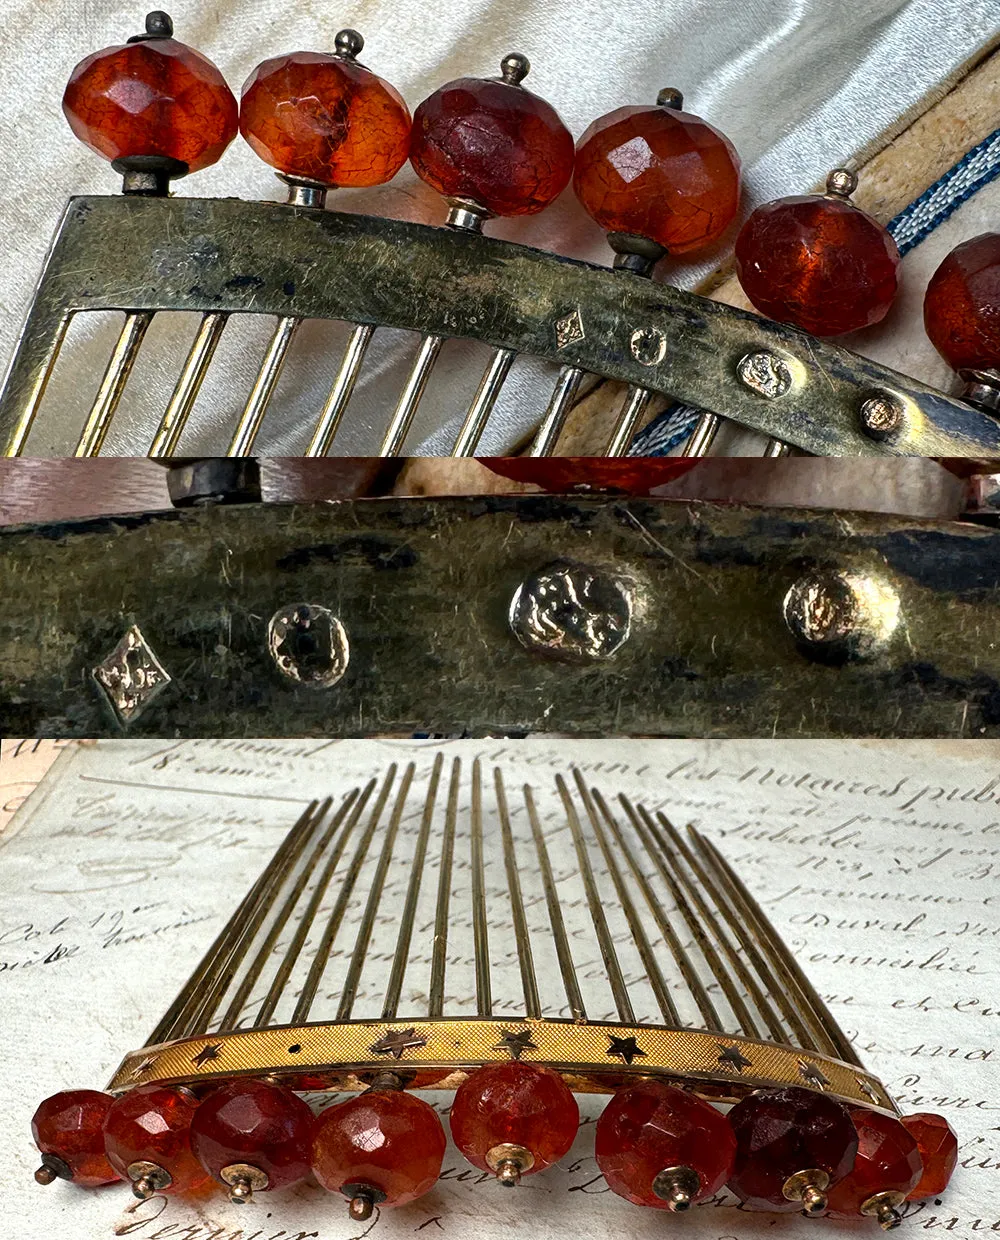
[569, 329]
[131, 676]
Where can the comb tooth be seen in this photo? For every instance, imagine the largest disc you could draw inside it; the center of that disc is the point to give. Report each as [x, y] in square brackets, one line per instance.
[563, 395]
[703, 435]
[485, 398]
[687, 969]
[341, 391]
[776, 448]
[113, 383]
[563, 953]
[632, 412]
[435, 1001]
[412, 392]
[484, 993]
[832, 1036]
[656, 979]
[529, 984]
[322, 957]
[245, 434]
[192, 376]
[618, 989]
[40, 353]
[644, 829]
[394, 987]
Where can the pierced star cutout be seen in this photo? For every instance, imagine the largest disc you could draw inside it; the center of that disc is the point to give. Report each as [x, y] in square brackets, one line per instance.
[809, 1072]
[733, 1057]
[569, 329]
[624, 1048]
[516, 1043]
[866, 1089]
[142, 1068]
[206, 1054]
[396, 1042]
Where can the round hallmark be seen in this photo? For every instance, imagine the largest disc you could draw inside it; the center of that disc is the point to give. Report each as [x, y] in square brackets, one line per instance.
[648, 345]
[882, 415]
[308, 645]
[841, 614]
[765, 373]
[571, 612]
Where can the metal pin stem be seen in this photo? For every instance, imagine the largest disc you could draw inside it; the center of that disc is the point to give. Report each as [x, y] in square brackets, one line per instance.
[439, 953]
[35, 391]
[263, 389]
[563, 395]
[192, 376]
[777, 448]
[633, 410]
[529, 984]
[485, 398]
[342, 390]
[113, 383]
[403, 416]
[484, 994]
[703, 435]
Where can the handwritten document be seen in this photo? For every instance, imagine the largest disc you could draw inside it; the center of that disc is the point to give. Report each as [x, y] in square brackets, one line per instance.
[879, 864]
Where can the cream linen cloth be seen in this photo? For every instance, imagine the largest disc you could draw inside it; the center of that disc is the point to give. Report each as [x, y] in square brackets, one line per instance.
[799, 86]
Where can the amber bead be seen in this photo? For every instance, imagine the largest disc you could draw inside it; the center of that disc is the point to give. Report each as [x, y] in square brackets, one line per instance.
[152, 1123]
[325, 118]
[493, 143]
[154, 97]
[515, 1104]
[780, 1132]
[962, 305]
[68, 1130]
[658, 173]
[264, 1126]
[888, 1161]
[819, 263]
[384, 1145]
[938, 1146]
[649, 1128]
[559, 475]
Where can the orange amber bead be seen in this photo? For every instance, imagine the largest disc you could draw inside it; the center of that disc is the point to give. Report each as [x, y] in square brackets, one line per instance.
[962, 306]
[888, 1161]
[938, 1148]
[323, 117]
[68, 1130]
[152, 1123]
[152, 97]
[659, 173]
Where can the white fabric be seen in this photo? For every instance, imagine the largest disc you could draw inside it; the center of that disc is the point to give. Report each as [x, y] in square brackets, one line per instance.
[799, 85]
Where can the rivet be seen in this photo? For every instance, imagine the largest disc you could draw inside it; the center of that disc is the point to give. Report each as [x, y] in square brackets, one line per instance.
[882, 415]
[308, 645]
[838, 614]
[571, 612]
[764, 373]
[648, 345]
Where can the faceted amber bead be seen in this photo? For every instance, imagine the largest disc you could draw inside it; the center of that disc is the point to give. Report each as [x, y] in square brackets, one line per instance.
[559, 475]
[514, 1104]
[325, 118]
[780, 1132]
[388, 1141]
[493, 142]
[818, 262]
[659, 173]
[68, 1128]
[962, 305]
[252, 1122]
[154, 97]
[887, 1161]
[938, 1148]
[650, 1127]
[153, 1124]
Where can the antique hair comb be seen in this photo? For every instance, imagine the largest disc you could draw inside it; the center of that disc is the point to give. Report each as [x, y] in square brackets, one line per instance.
[367, 958]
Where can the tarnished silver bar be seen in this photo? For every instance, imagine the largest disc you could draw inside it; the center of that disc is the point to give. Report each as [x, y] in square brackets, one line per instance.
[263, 389]
[342, 390]
[404, 413]
[560, 403]
[192, 376]
[485, 398]
[113, 384]
[630, 417]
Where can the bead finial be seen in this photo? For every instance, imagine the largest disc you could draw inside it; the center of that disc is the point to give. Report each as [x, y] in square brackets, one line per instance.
[670, 97]
[514, 68]
[361, 1207]
[45, 1175]
[349, 44]
[678, 1187]
[842, 182]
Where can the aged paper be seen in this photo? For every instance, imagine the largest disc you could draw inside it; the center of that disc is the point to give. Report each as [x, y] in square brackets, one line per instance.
[879, 864]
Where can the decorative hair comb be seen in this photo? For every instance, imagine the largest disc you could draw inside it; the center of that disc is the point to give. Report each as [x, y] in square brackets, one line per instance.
[320, 981]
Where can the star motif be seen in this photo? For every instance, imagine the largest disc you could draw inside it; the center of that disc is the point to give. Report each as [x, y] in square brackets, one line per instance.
[207, 1053]
[144, 1067]
[809, 1072]
[733, 1057]
[866, 1089]
[396, 1042]
[516, 1043]
[624, 1048]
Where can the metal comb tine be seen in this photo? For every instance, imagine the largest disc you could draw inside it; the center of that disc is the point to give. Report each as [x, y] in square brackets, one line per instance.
[284, 972]
[654, 976]
[618, 989]
[494, 377]
[341, 391]
[559, 935]
[529, 983]
[231, 930]
[189, 383]
[563, 395]
[743, 1015]
[116, 375]
[820, 1017]
[322, 957]
[41, 361]
[633, 410]
[439, 952]
[703, 435]
[250, 419]
[484, 993]
[413, 390]
[234, 1011]
[687, 969]
[776, 448]
[394, 987]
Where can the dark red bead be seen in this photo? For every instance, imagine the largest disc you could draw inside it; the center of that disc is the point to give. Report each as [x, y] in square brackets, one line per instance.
[818, 262]
[389, 1141]
[494, 143]
[780, 1132]
[659, 173]
[514, 1103]
[325, 118]
[633, 475]
[962, 305]
[252, 1122]
[650, 1127]
[887, 1161]
[938, 1146]
[156, 97]
[152, 1123]
[69, 1129]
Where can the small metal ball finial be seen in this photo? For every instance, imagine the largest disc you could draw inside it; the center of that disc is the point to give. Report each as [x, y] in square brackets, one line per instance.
[45, 1175]
[670, 97]
[514, 67]
[361, 1207]
[884, 1208]
[240, 1192]
[677, 1186]
[159, 25]
[243, 1180]
[509, 1173]
[143, 1188]
[841, 183]
[813, 1200]
[349, 44]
